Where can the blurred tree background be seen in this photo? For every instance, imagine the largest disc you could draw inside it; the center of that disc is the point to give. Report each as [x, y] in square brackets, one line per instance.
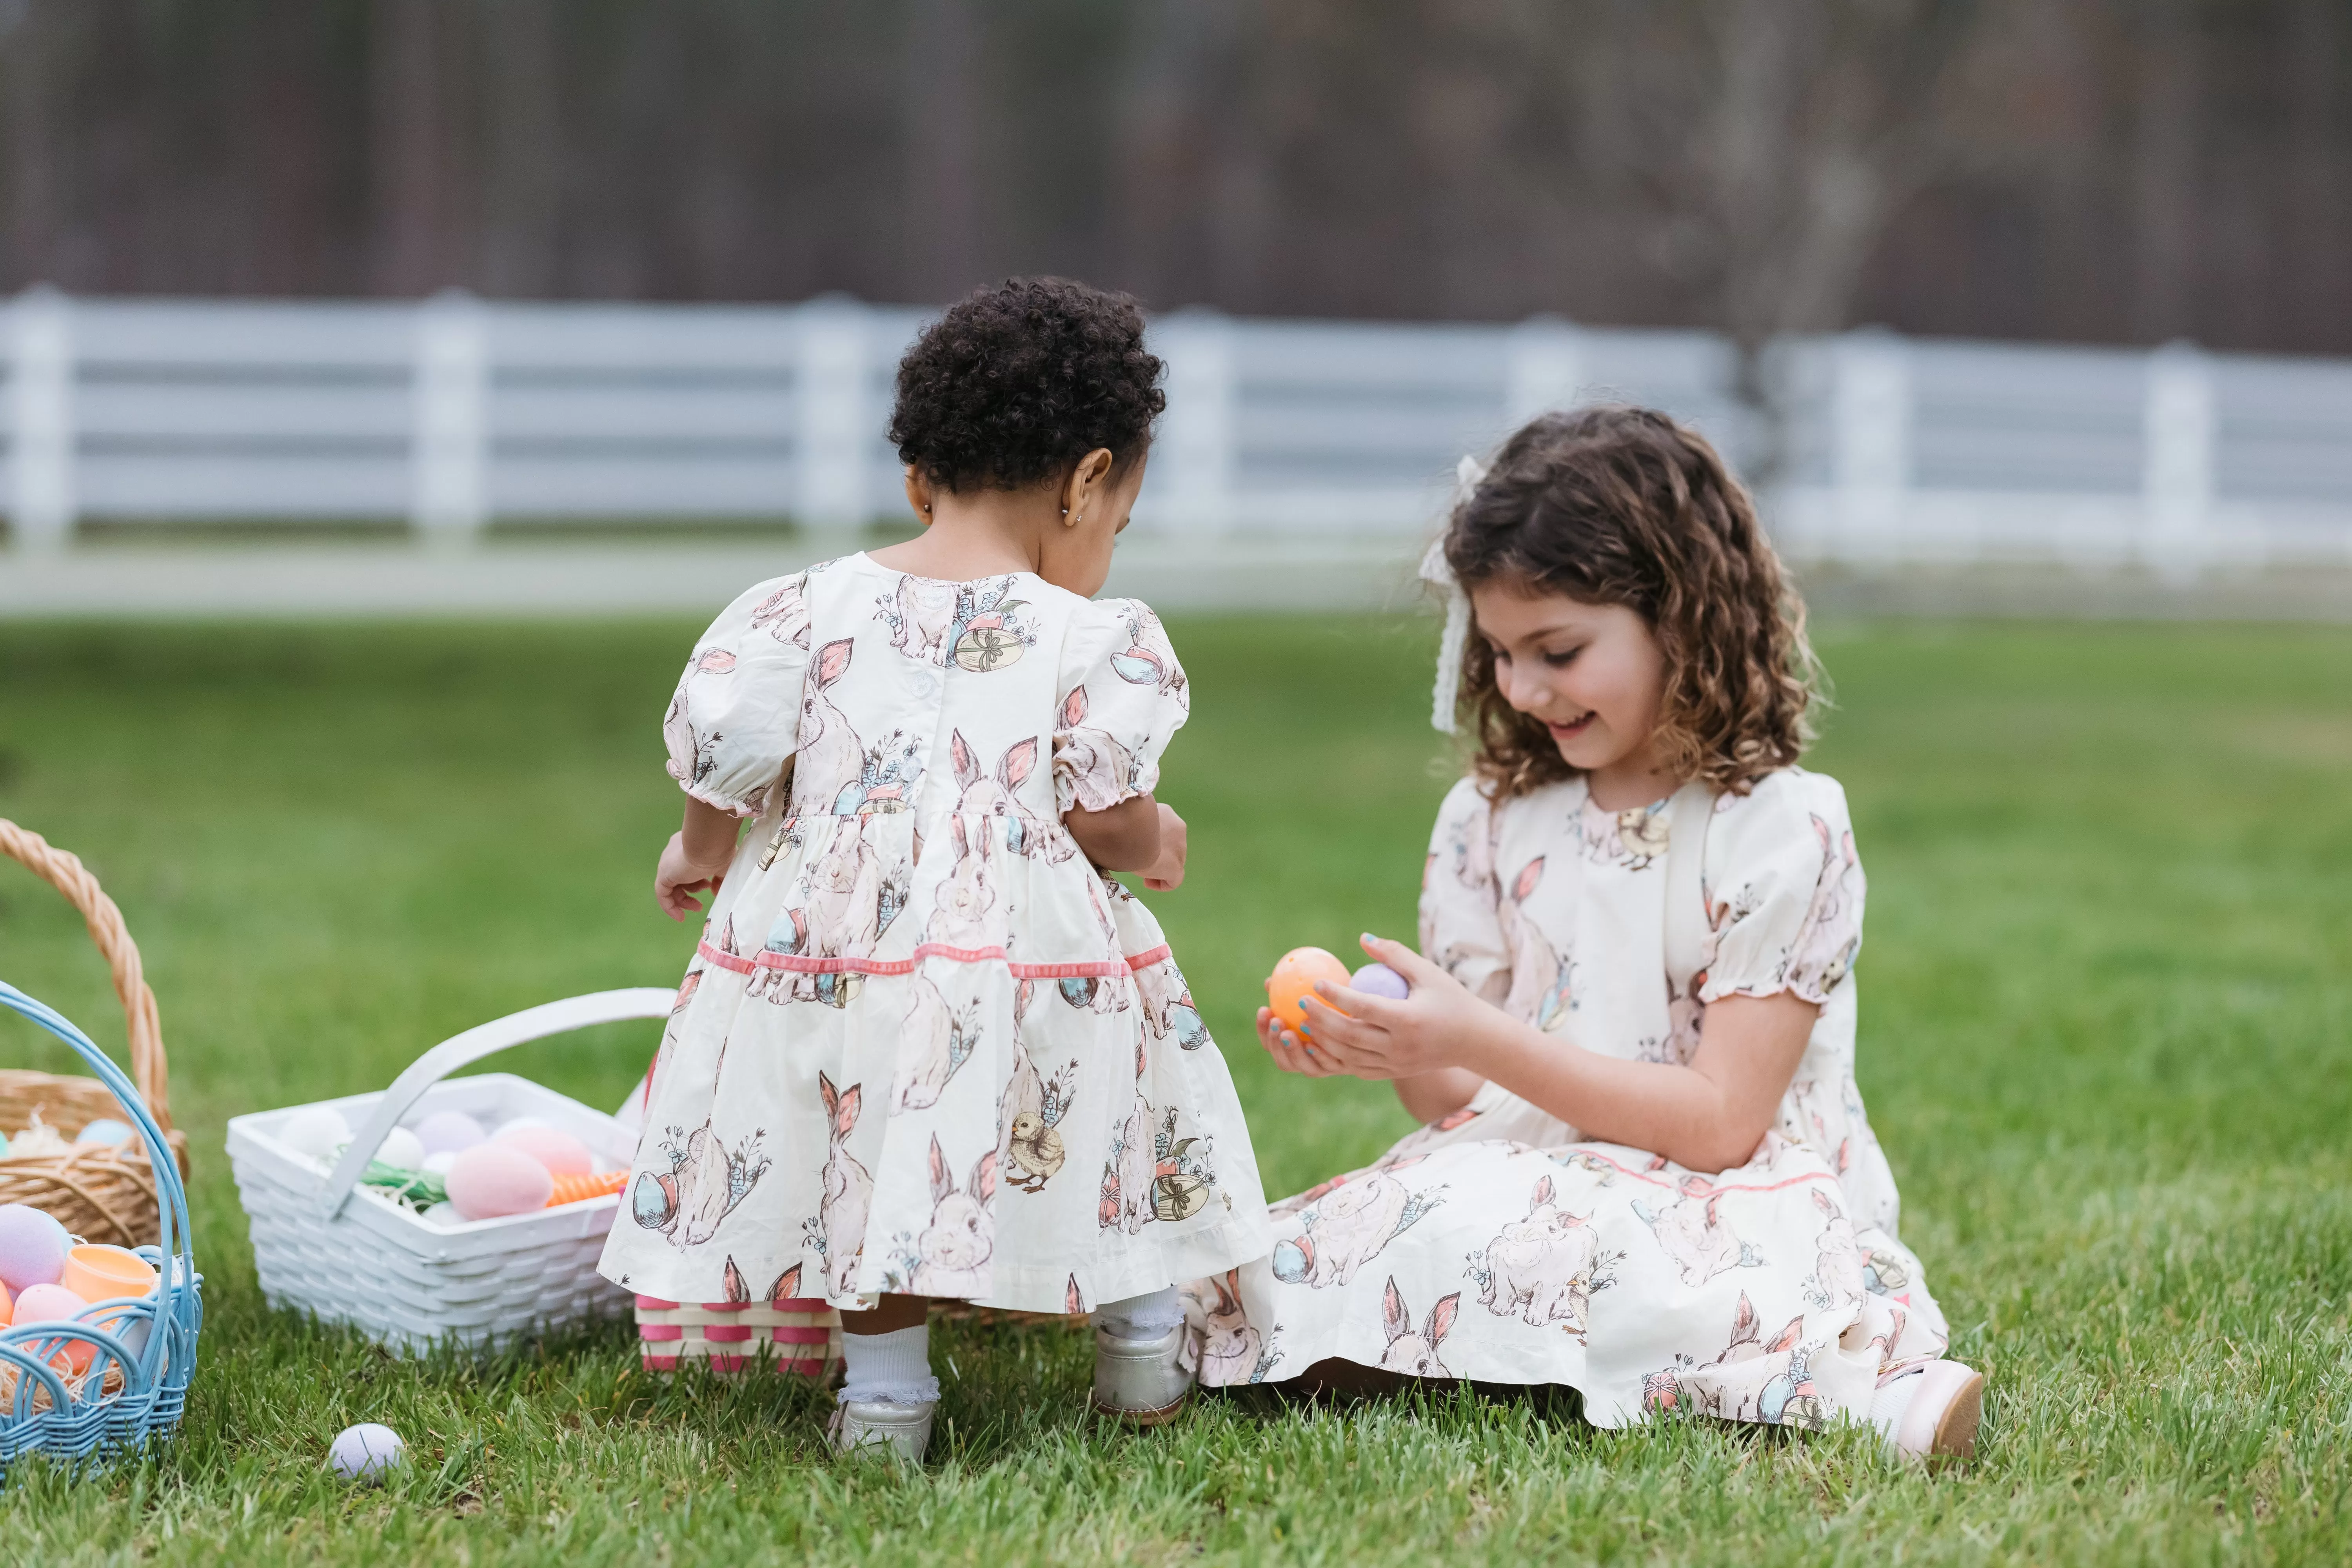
[2091, 169]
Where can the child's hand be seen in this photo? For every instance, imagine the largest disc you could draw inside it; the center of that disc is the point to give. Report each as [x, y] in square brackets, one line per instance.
[1379, 1038]
[1290, 1053]
[1168, 871]
[679, 876]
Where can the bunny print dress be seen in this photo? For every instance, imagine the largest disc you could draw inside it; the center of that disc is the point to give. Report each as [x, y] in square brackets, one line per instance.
[924, 1047]
[1498, 1244]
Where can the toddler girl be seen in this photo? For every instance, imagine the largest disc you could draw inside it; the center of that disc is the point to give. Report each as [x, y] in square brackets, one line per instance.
[927, 1047]
[1645, 1172]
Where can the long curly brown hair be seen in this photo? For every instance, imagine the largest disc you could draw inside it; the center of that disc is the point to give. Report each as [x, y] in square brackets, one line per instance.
[1626, 506]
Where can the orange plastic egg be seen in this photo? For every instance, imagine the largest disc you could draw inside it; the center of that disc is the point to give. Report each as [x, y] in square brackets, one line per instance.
[1294, 978]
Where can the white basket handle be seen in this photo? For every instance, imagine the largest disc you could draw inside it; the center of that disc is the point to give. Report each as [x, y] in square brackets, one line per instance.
[464, 1051]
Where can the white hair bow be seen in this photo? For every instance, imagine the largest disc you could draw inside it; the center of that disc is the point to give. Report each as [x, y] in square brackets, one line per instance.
[1456, 639]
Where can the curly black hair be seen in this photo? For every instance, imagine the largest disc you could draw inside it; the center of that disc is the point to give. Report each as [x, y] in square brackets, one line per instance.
[1016, 383]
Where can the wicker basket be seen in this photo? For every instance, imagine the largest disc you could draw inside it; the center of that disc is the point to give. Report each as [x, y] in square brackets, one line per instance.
[143, 1351]
[98, 1193]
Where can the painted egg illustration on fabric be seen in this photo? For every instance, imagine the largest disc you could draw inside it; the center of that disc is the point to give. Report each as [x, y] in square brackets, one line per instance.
[987, 644]
[1136, 666]
[654, 1200]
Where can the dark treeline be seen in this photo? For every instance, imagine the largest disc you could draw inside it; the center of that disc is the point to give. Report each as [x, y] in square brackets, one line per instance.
[2105, 170]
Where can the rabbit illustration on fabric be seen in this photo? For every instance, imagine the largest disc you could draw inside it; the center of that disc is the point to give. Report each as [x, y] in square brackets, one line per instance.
[1168, 1006]
[1694, 1234]
[996, 795]
[1751, 1380]
[1830, 936]
[1348, 1223]
[1131, 1170]
[828, 757]
[705, 1181]
[934, 1041]
[955, 1247]
[1415, 1354]
[921, 616]
[1100, 772]
[1542, 1267]
[969, 916]
[846, 1186]
[1231, 1350]
[783, 615]
[1837, 1278]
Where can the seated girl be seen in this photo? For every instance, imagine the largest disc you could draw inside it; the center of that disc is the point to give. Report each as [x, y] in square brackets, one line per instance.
[1645, 1171]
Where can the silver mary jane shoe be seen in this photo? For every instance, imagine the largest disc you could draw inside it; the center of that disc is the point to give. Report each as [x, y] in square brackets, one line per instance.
[883, 1429]
[1139, 1381]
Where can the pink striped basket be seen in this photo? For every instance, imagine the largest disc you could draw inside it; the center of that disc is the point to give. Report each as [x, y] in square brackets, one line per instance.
[797, 1336]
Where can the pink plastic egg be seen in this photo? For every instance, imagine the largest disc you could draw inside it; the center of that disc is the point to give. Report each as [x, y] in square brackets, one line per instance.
[492, 1179]
[448, 1132]
[562, 1154]
[33, 1246]
[55, 1304]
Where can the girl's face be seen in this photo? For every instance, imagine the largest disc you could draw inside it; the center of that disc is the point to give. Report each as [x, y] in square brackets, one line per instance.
[1593, 674]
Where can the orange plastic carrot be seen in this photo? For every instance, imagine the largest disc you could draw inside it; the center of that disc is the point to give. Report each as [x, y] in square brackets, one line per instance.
[572, 1189]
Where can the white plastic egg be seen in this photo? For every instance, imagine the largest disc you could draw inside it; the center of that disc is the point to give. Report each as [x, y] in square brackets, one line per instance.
[317, 1131]
[365, 1452]
[403, 1149]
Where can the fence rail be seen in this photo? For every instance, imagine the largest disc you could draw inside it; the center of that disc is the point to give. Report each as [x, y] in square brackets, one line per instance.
[454, 413]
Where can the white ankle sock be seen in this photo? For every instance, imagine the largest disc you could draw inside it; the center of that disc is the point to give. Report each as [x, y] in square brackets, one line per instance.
[896, 1366]
[1144, 1316]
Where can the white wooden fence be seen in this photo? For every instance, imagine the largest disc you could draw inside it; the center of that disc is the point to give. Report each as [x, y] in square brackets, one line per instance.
[454, 413]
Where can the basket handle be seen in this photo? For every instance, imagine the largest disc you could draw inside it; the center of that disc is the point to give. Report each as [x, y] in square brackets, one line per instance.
[464, 1051]
[67, 874]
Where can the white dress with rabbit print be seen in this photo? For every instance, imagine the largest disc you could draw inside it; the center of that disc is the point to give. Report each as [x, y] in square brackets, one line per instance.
[1499, 1244]
[924, 1047]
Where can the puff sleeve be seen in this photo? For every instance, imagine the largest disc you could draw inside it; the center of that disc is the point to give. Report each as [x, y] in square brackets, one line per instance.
[735, 718]
[1123, 697]
[1461, 905]
[1784, 890]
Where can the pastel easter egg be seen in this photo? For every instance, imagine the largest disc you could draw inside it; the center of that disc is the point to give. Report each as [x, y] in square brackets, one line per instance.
[1295, 978]
[562, 1154]
[55, 1304]
[448, 1132]
[493, 1179]
[513, 1122]
[401, 1149]
[440, 1160]
[106, 1131]
[1379, 980]
[7, 1307]
[33, 1247]
[365, 1452]
[317, 1131]
[445, 1212]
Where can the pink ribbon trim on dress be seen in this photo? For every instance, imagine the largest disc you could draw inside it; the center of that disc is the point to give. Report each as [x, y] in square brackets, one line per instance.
[1104, 968]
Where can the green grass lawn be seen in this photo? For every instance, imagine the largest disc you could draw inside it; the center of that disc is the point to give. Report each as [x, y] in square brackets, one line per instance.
[2106, 1009]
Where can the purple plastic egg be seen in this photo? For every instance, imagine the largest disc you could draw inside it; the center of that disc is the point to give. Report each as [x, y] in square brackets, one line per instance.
[1379, 980]
[33, 1247]
[449, 1132]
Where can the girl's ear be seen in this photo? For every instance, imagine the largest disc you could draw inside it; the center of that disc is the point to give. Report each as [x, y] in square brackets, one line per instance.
[1087, 485]
[919, 493]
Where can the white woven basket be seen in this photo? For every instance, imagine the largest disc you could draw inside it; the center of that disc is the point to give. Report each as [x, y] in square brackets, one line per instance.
[349, 1254]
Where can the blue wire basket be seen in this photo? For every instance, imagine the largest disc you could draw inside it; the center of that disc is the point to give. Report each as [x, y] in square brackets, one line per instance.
[151, 1342]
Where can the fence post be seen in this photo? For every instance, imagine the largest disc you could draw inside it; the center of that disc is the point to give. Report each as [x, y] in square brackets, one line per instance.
[833, 420]
[1197, 434]
[449, 434]
[1544, 367]
[1870, 443]
[41, 499]
[2176, 461]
